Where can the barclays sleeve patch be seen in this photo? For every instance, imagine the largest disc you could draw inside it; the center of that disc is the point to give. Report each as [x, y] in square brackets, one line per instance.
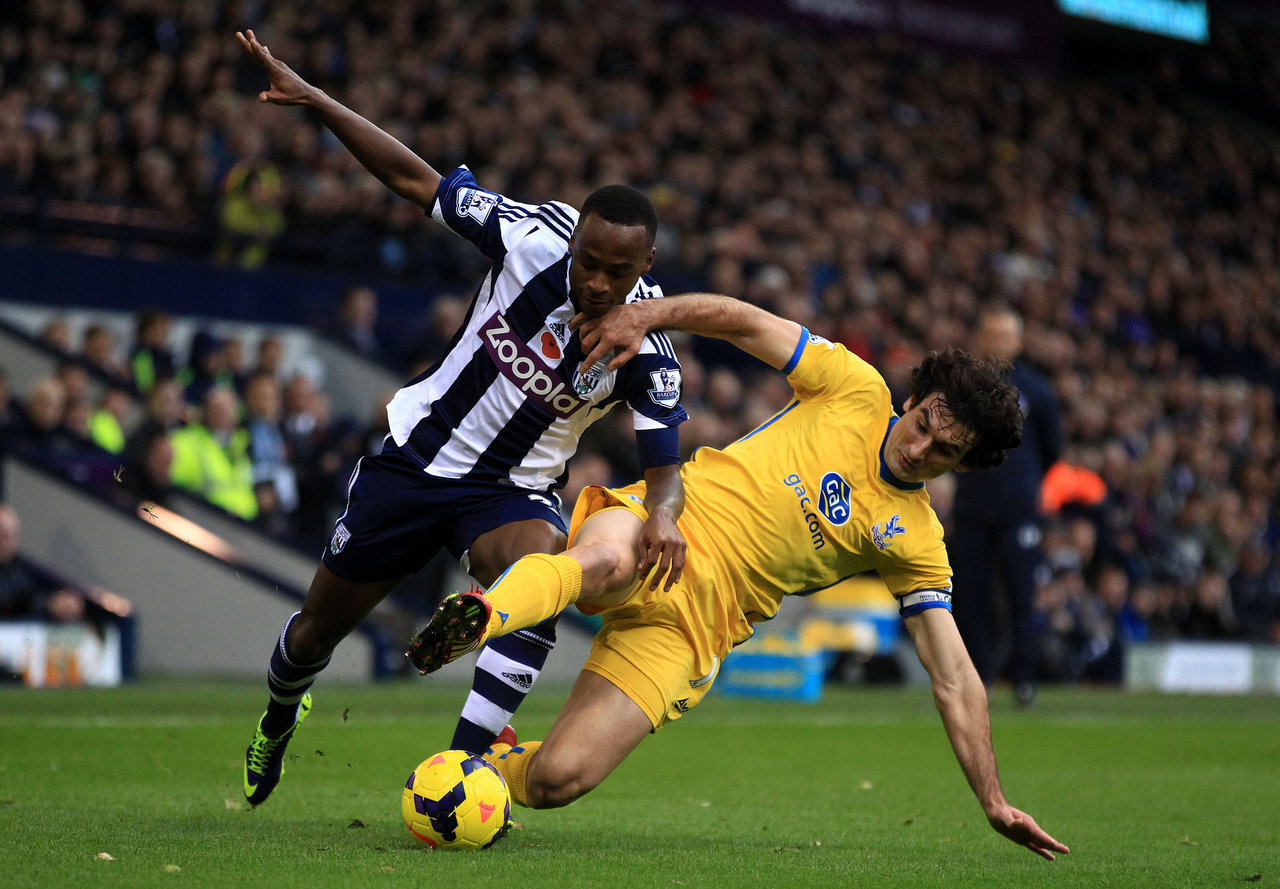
[666, 387]
[476, 204]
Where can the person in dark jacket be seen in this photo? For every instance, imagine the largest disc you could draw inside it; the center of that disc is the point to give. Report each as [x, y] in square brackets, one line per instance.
[995, 539]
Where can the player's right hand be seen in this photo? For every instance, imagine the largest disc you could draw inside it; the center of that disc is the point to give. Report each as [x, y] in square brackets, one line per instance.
[287, 88]
[1020, 827]
[619, 333]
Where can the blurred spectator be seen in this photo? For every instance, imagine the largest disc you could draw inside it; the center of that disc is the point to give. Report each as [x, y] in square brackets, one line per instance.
[98, 347]
[251, 217]
[317, 457]
[1067, 483]
[1254, 589]
[273, 476]
[56, 334]
[163, 411]
[1208, 614]
[369, 438]
[996, 526]
[110, 418]
[38, 428]
[1128, 622]
[1184, 540]
[206, 367]
[75, 381]
[147, 472]
[270, 357]
[152, 357]
[356, 325]
[233, 361]
[1075, 630]
[429, 345]
[211, 457]
[23, 592]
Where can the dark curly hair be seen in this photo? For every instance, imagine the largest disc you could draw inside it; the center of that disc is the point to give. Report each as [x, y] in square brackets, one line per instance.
[978, 395]
[623, 205]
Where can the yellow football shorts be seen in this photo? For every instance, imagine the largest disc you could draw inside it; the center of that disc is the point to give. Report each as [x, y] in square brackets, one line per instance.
[662, 648]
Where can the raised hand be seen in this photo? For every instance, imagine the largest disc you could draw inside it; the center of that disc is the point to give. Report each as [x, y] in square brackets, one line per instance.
[287, 88]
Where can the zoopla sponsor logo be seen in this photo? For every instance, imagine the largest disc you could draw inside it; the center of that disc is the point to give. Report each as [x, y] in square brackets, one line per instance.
[519, 364]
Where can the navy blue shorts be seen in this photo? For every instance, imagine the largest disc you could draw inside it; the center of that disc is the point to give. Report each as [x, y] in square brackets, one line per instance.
[398, 517]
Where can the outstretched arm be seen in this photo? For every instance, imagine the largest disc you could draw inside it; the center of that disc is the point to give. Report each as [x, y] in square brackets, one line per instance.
[753, 330]
[381, 153]
[962, 702]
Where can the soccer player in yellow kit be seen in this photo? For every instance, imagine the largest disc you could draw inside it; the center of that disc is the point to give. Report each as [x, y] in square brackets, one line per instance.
[832, 486]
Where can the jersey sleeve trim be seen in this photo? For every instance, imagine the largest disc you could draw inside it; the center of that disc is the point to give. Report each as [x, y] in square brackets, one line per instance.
[922, 600]
[799, 350]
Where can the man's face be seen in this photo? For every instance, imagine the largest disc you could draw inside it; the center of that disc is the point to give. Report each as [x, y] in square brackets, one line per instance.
[926, 442]
[605, 261]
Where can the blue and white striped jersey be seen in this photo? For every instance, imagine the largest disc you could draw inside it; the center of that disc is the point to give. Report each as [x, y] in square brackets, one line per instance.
[508, 400]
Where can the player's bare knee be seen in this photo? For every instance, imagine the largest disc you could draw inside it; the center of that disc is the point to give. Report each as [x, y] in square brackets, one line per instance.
[607, 568]
[555, 797]
[552, 788]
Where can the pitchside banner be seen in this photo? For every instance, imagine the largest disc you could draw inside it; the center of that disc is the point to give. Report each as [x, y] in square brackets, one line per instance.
[1026, 31]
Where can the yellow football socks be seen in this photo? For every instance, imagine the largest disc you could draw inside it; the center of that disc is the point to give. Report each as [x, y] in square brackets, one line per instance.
[513, 764]
[533, 589]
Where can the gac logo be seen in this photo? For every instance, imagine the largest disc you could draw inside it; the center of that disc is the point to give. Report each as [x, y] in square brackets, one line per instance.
[833, 498]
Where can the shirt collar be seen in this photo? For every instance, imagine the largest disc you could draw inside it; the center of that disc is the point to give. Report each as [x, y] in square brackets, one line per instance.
[887, 476]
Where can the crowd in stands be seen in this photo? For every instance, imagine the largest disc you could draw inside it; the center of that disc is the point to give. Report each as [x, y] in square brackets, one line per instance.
[878, 193]
[251, 439]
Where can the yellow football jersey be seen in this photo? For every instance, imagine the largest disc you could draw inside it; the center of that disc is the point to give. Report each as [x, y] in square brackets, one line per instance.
[805, 501]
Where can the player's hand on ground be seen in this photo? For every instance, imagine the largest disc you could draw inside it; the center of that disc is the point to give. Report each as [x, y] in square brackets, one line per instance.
[619, 331]
[661, 544]
[287, 88]
[1023, 830]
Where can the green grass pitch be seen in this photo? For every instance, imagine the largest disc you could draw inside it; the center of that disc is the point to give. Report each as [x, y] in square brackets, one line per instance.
[860, 790]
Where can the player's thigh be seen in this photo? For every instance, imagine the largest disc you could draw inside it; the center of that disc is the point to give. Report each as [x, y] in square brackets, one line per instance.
[498, 549]
[596, 730]
[493, 525]
[607, 547]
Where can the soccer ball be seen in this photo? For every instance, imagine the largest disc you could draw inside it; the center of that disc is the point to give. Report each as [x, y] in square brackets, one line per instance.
[456, 800]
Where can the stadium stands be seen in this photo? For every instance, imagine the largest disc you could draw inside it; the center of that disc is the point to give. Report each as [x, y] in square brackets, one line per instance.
[879, 193]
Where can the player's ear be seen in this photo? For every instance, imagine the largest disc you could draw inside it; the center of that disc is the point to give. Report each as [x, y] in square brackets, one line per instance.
[909, 403]
[648, 263]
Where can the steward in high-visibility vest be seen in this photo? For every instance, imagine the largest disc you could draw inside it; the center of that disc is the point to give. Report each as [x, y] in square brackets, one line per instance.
[211, 459]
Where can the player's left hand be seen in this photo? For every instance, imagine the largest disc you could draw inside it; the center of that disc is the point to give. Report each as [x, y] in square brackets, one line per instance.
[661, 545]
[619, 331]
[1023, 830]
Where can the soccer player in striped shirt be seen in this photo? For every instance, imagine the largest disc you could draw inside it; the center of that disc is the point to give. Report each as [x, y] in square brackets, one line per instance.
[479, 443]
